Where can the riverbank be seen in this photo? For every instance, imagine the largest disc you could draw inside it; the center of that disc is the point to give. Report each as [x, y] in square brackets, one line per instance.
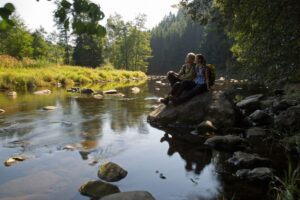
[28, 73]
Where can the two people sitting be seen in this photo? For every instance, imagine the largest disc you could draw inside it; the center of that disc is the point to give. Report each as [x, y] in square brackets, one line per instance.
[192, 79]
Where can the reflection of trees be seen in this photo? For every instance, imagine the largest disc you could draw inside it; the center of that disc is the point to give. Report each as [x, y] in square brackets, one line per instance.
[195, 156]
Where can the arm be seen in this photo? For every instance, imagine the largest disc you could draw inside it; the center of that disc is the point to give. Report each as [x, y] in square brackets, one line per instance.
[181, 71]
[207, 79]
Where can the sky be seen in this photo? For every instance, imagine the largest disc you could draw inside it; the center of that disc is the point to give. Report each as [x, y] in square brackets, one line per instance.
[36, 14]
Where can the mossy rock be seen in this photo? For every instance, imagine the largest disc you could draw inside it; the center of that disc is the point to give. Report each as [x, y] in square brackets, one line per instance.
[98, 189]
[111, 172]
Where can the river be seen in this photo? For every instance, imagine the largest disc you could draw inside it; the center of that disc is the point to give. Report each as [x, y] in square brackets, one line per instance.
[112, 129]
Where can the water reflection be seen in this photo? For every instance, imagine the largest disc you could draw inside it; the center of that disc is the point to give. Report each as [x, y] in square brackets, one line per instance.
[109, 129]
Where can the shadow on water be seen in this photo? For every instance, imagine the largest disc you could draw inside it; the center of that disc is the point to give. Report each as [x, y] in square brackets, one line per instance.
[114, 129]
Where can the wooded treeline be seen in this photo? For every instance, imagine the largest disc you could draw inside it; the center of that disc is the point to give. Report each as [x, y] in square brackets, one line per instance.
[177, 34]
[80, 39]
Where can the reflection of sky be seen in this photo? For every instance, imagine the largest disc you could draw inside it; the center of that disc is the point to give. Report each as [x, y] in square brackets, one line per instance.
[103, 130]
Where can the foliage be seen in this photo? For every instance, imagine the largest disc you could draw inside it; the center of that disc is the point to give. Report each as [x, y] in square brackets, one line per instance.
[128, 43]
[287, 188]
[25, 73]
[266, 34]
[176, 35]
[5, 16]
[81, 18]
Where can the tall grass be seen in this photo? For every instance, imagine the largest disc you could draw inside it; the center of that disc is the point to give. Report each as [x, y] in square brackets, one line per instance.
[27, 72]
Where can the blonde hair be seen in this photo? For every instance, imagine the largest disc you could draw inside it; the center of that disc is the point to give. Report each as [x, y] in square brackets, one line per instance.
[191, 55]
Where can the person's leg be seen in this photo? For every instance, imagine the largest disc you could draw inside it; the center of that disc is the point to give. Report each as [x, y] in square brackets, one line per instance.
[185, 86]
[190, 94]
[173, 78]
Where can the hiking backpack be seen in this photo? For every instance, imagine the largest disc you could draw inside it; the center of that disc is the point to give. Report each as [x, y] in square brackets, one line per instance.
[211, 74]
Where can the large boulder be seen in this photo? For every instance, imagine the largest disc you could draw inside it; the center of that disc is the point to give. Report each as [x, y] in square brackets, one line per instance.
[98, 189]
[261, 117]
[246, 160]
[111, 172]
[213, 106]
[256, 174]
[134, 195]
[227, 142]
[250, 103]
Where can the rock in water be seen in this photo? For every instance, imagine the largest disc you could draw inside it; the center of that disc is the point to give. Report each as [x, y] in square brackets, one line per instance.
[49, 108]
[250, 103]
[227, 142]
[246, 160]
[213, 106]
[98, 96]
[260, 173]
[133, 195]
[12, 93]
[2, 111]
[13, 160]
[111, 172]
[135, 90]
[42, 92]
[113, 91]
[98, 189]
[87, 91]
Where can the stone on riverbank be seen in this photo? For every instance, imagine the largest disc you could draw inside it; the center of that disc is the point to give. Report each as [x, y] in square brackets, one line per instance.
[98, 189]
[250, 103]
[206, 127]
[113, 91]
[111, 172]
[227, 142]
[133, 195]
[41, 92]
[247, 160]
[261, 117]
[213, 106]
[288, 119]
[98, 96]
[260, 173]
[255, 132]
[87, 91]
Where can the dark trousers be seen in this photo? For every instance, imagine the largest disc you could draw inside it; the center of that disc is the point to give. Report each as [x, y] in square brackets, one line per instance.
[173, 78]
[186, 90]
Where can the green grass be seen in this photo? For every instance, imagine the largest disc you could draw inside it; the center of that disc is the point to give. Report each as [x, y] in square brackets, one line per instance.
[22, 74]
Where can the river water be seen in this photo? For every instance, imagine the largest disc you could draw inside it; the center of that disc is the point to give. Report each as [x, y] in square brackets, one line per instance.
[113, 129]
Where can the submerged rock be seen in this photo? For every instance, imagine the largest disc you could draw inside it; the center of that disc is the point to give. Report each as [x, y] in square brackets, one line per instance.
[260, 173]
[111, 172]
[98, 189]
[2, 111]
[133, 195]
[49, 108]
[246, 160]
[135, 90]
[250, 103]
[13, 160]
[212, 106]
[227, 142]
[41, 92]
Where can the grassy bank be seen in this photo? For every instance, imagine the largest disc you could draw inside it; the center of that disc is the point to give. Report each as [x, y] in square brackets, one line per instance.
[23, 74]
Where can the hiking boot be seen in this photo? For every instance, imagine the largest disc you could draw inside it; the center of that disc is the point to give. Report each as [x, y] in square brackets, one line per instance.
[165, 100]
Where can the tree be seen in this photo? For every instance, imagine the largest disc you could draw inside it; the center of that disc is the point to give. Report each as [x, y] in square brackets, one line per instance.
[265, 34]
[16, 40]
[81, 18]
[40, 46]
[128, 42]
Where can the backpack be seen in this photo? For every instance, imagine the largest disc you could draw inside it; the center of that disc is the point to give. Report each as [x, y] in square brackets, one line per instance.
[211, 74]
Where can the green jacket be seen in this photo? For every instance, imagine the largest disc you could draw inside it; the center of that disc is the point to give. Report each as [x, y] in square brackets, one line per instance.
[187, 72]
